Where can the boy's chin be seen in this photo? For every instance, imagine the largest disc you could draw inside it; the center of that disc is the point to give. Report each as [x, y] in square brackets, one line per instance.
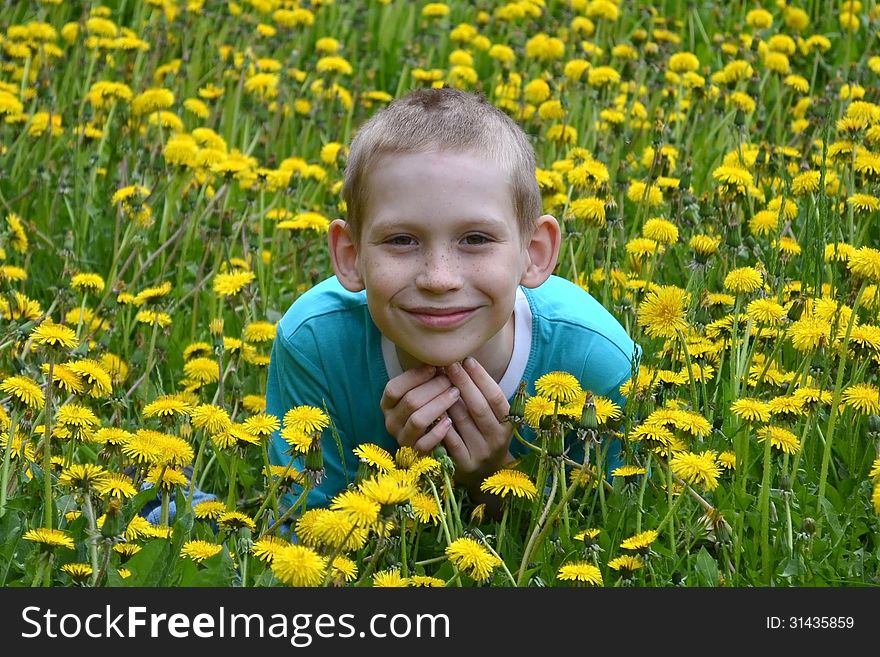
[444, 361]
[440, 358]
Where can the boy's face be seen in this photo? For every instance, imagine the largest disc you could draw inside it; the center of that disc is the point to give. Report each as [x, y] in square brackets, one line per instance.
[440, 255]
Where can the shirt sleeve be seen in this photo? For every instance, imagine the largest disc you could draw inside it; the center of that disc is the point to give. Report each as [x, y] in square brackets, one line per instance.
[295, 378]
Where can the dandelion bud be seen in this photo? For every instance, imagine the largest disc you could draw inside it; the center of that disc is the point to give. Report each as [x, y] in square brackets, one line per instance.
[518, 407]
[216, 327]
[113, 525]
[739, 119]
[556, 444]
[611, 213]
[315, 462]
[722, 532]
[808, 526]
[446, 462]
[796, 309]
[685, 181]
[785, 483]
[874, 423]
[588, 419]
[754, 87]
[706, 208]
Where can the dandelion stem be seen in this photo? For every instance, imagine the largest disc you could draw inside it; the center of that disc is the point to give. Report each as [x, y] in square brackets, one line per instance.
[527, 553]
[834, 412]
[233, 468]
[286, 516]
[92, 539]
[48, 500]
[670, 513]
[498, 556]
[764, 505]
[7, 459]
[644, 485]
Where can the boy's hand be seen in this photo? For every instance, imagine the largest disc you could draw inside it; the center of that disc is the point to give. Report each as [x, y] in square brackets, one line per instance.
[413, 402]
[479, 438]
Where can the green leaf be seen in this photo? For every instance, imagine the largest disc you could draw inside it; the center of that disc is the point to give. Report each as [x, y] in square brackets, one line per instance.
[147, 566]
[794, 567]
[216, 571]
[10, 533]
[830, 514]
[136, 503]
[706, 569]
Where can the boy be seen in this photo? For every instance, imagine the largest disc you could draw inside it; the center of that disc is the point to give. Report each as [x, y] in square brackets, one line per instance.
[443, 298]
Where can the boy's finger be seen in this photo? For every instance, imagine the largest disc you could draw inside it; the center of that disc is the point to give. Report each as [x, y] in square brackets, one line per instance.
[414, 398]
[397, 387]
[456, 448]
[434, 437]
[464, 423]
[488, 387]
[472, 396]
[419, 422]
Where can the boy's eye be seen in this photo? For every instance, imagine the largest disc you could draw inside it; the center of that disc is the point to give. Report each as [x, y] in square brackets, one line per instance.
[476, 239]
[400, 240]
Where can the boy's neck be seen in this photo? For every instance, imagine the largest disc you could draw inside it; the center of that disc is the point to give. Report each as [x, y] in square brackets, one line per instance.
[494, 355]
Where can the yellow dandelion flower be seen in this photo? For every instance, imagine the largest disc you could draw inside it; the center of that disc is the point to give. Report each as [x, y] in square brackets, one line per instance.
[79, 572]
[375, 457]
[509, 482]
[423, 581]
[267, 547]
[234, 520]
[696, 469]
[297, 565]
[809, 333]
[780, 438]
[307, 419]
[626, 564]
[24, 390]
[209, 510]
[50, 538]
[663, 312]
[751, 410]
[357, 507]
[581, 572]
[425, 508]
[117, 485]
[660, 230]
[51, 334]
[559, 387]
[744, 280]
[865, 263]
[472, 558]
[387, 489]
[85, 476]
[640, 542]
[863, 398]
[232, 283]
[199, 550]
[390, 578]
[536, 408]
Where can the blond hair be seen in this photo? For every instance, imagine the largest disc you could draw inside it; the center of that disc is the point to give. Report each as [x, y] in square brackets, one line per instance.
[443, 119]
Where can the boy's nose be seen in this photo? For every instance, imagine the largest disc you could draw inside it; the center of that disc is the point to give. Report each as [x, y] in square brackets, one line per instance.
[439, 273]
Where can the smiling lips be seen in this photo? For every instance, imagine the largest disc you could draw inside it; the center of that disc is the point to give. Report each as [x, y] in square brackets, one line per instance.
[440, 317]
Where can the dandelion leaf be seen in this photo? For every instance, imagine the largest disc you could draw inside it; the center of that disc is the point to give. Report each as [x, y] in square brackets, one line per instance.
[706, 569]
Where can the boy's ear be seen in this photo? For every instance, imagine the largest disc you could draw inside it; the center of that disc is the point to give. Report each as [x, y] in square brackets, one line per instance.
[343, 252]
[542, 250]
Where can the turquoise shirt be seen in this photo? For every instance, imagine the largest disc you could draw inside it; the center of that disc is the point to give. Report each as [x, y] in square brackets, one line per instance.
[328, 353]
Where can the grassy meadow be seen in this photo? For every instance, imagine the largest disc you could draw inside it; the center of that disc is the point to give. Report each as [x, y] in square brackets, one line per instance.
[168, 169]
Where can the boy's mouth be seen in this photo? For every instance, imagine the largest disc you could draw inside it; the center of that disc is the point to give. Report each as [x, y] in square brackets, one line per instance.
[440, 317]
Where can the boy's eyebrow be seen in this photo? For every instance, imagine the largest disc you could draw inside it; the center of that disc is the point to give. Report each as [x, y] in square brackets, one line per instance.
[486, 223]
